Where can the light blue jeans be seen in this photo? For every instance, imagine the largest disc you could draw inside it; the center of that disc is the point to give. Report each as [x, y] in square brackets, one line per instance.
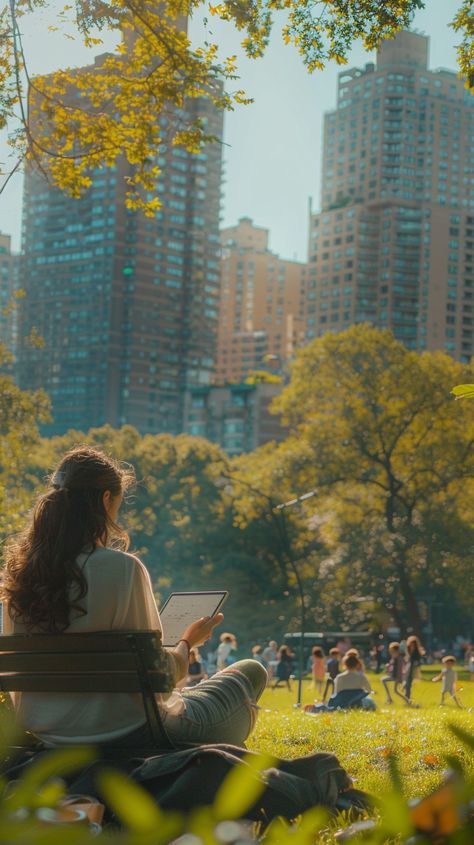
[222, 709]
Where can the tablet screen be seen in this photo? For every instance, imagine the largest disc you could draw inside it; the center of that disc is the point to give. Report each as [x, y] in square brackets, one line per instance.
[180, 609]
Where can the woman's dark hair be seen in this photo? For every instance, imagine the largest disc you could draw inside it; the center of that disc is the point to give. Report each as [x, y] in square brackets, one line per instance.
[351, 661]
[317, 651]
[42, 581]
[414, 646]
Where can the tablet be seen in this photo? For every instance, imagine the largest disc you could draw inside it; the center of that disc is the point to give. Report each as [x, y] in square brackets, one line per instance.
[180, 609]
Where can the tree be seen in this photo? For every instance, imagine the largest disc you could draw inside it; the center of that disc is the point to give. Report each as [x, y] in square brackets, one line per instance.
[137, 98]
[21, 412]
[374, 430]
[258, 486]
[262, 377]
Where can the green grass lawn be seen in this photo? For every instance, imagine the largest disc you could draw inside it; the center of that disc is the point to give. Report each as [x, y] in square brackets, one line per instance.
[363, 740]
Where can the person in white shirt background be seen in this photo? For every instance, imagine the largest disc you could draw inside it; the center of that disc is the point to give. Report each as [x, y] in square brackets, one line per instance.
[228, 643]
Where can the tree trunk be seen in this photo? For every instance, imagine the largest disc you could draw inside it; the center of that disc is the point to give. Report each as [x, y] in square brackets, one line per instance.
[409, 598]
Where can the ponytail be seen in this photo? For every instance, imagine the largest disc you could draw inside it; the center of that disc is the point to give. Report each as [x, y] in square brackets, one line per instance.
[42, 582]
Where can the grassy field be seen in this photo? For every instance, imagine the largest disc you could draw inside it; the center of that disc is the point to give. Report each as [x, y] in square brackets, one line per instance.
[363, 740]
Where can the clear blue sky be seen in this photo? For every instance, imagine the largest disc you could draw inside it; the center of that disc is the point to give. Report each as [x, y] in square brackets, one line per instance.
[273, 147]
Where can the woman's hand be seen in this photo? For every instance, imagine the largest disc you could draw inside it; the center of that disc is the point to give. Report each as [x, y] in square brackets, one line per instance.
[198, 632]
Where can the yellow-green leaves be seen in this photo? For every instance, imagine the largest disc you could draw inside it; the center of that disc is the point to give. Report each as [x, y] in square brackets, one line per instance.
[135, 808]
[241, 788]
[76, 119]
[374, 430]
[41, 778]
[463, 23]
[21, 412]
[463, 391]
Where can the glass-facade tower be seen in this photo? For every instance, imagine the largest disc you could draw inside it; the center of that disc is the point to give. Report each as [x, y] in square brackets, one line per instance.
[126, 306]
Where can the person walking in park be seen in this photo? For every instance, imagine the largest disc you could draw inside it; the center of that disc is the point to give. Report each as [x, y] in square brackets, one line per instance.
[394, 675]
[332, 671]
[270, 656]
[448, 676]
[68, 572]
[257, 654]
[228, 644]
[284, 667]
[469, 660]
[376, 654]
[318, 668]
[343, 645]
[414, 655]
[196, 671]
[471, 667]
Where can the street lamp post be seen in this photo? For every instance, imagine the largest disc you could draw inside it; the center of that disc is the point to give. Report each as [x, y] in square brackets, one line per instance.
[289, 553]
[286, 543]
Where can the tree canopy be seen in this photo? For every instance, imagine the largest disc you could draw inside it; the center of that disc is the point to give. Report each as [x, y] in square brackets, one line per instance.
[21, 412]
[135, 99]
[374, 430]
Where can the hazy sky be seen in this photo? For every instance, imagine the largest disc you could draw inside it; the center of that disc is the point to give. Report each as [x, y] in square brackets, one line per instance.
[273, 147]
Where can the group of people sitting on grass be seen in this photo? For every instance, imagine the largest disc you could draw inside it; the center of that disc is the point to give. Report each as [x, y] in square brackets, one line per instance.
[351, 688]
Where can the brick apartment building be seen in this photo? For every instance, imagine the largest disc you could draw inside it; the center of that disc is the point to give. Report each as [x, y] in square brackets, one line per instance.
[394, 241]
[261, 313]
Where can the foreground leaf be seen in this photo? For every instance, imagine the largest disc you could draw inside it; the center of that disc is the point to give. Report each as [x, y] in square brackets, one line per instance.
[463, 391]
[241, 788]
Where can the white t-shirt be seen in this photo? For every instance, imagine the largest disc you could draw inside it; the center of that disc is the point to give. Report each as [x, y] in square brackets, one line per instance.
[223, 651]
[351, 680]
[119, 597]
[449, 678]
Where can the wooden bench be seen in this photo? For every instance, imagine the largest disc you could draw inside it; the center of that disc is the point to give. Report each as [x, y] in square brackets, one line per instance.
[108, 662]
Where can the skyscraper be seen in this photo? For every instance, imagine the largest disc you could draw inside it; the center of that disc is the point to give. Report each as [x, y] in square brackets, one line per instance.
[127, 306]
[262, 304]
[394, 241]
[8, 289]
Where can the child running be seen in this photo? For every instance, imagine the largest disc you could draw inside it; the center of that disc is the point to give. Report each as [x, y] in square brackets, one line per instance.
[332, 670]
[317, 668]
[394, 672]
[448, 676]
[414, 656]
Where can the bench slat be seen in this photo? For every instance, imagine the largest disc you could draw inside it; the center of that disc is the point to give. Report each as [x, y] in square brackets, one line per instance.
[104, 641]
[81, 662]
[127, 682]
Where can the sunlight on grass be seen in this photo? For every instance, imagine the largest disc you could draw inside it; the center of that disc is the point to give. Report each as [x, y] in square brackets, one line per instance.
[364, 740]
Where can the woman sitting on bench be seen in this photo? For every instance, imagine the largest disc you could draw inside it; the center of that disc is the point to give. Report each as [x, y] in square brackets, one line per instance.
[66, 574]
[69, 571]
